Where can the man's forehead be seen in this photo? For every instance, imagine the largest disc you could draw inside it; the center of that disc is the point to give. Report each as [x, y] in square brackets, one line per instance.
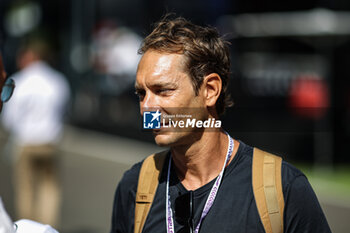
[159, 80]
[158, 62]
[159, 67]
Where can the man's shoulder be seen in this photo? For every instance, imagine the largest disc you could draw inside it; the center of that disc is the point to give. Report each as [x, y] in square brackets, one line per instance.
[292, 176]
[131, 176]
[289, 172]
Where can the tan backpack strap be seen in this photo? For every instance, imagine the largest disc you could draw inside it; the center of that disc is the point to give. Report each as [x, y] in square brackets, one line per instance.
[147, 187]
[267, 188]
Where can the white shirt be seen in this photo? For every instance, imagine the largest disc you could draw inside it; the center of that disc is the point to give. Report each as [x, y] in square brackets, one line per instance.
[34, 113]
[6, 225]
[29, 226]
[22, 226]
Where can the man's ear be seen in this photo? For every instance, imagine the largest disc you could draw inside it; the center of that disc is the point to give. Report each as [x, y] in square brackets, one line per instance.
[212, 85]
[2, 72]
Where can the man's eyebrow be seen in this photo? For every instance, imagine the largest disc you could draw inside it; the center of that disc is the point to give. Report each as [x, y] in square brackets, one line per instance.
[138, 87]
[156, 85]
[163, 84]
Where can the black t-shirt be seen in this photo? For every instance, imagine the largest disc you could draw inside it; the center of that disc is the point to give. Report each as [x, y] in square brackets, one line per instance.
[234, 209]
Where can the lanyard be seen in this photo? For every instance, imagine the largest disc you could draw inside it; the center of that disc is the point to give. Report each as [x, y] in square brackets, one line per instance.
[210, 199]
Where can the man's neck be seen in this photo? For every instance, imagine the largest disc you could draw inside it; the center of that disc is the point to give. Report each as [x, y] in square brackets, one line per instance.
[202, 161]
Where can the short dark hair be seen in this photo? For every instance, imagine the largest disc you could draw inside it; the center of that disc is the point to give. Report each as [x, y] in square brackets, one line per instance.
[205, 50]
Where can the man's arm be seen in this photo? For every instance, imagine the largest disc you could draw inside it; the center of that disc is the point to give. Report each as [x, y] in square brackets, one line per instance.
[303, 212]
[124, 202]
[118, 218]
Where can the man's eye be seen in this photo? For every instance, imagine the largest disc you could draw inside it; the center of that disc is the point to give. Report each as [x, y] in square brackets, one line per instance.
[163, 91]
[140, 94]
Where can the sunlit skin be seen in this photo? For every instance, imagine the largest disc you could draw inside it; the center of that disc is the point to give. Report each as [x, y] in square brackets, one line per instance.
[26, 58]
[2, 77]
[162, 83]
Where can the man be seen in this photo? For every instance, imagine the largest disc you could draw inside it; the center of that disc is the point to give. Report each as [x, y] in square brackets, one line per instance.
[6, 226]
[185, 66]
[34, 119]
[6, 85]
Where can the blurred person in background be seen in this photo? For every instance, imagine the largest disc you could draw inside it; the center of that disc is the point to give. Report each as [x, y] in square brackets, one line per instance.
[6, 91]
[7, 86]
[114, 54]
[35, 121]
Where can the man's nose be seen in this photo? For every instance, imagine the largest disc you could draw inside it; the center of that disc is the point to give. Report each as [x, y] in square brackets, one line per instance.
[149, 103]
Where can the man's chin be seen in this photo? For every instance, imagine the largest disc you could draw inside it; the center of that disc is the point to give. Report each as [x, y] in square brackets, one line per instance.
[163, 139]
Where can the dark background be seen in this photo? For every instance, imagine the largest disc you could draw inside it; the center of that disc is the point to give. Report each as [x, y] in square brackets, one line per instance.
[263, 114]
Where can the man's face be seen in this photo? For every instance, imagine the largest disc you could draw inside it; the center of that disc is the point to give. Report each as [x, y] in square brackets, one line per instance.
[162, 83]
[2, 77]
